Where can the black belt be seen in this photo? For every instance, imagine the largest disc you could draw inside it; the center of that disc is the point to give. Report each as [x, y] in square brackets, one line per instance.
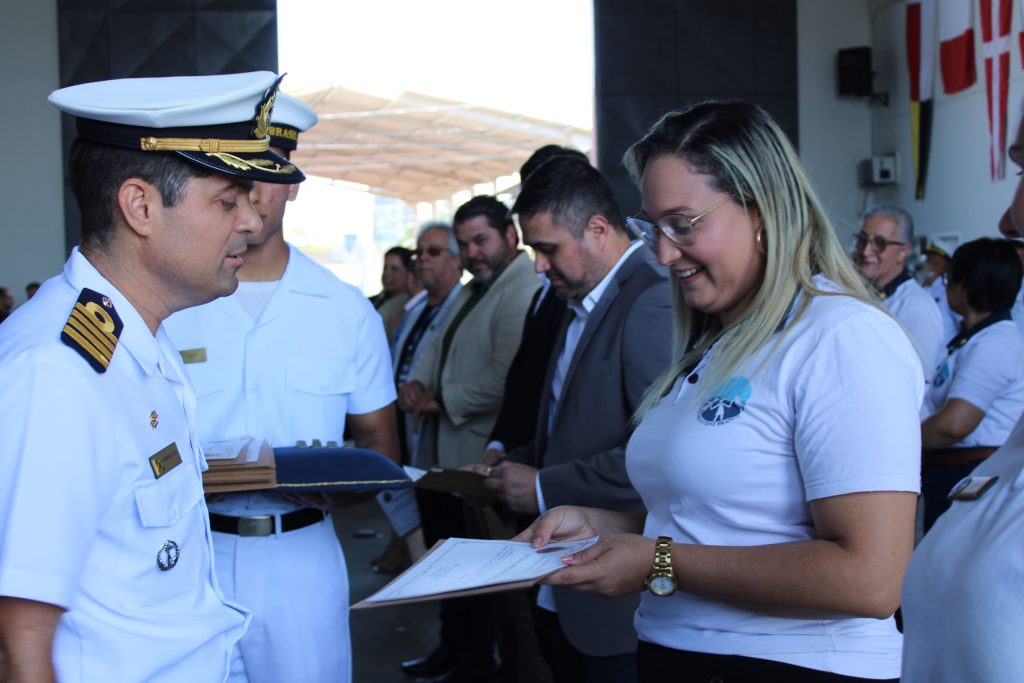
[957, 456]
[263, 525]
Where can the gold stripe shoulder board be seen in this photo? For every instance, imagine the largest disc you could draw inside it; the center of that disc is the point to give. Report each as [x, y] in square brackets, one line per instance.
[92, 329]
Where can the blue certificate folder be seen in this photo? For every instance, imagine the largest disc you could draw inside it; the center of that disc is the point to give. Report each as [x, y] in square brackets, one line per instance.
[318, 469]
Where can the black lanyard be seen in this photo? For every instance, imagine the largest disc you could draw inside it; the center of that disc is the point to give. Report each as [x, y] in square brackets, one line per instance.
[965, 336]
[890, 289]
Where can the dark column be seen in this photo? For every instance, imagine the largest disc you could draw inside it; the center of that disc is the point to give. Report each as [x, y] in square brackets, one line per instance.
[653, 56]
[102, 39]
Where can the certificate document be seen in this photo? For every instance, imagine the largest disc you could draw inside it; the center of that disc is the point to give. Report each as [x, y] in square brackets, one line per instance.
[468, 566]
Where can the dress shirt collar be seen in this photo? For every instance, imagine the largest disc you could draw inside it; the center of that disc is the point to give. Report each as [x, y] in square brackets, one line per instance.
[583, 308]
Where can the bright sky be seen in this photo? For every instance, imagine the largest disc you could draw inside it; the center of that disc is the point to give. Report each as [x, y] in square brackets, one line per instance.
[534, 57]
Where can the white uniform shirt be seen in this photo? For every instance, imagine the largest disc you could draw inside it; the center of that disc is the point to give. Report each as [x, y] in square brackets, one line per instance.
[84, 517]
[1017, 312]
[963, 607]
[317, 352]
[988, 373]
[919, 313]
[833, 411]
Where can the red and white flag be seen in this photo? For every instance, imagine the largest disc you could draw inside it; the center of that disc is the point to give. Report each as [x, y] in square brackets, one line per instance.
[956, 45]
[921, 67]
[1020, 36]
[995, 38]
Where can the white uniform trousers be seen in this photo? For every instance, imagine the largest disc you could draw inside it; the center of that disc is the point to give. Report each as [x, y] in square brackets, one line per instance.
[296, 585]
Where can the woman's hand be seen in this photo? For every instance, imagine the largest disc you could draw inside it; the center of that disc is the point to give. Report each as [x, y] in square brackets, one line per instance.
[571, 523]
[613, 567]
[566, 523]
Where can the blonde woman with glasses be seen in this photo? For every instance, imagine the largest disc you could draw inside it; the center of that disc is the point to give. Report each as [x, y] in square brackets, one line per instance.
[779, 458]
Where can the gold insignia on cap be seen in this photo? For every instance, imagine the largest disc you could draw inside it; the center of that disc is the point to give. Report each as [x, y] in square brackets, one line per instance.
[154, 419]
[93, 329]
[286, 133]
[152, 144]
[265, 165]
[263, 110]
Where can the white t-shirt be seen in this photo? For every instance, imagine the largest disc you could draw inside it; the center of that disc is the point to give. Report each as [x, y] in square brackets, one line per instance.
[833, 411]
[1017, 312]
[963, 606]
[988, 373]
[919, 313]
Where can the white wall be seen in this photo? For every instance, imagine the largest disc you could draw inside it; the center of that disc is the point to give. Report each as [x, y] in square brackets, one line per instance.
[31, 191]
[835, 133]
[960, 195]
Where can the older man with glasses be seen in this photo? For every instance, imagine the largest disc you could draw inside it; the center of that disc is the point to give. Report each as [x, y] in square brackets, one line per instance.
[882, 246]
[438, 267]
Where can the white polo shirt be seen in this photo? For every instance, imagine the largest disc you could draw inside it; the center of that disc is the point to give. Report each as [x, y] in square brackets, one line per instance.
[919, 313]
[963, 607]
[85, 523]
[834, 410]
[988, 373]
[317, 352]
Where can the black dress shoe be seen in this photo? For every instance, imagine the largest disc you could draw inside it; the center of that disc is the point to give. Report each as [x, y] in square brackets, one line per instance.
[465, 671]
[437, 662]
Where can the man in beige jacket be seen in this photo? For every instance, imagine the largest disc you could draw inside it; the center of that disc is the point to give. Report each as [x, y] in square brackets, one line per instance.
[457, 389]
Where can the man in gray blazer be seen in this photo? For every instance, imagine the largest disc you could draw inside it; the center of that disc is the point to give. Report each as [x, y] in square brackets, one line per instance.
[615, 341]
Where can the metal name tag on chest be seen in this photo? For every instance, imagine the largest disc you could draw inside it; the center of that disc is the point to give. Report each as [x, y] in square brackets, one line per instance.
[165, 460]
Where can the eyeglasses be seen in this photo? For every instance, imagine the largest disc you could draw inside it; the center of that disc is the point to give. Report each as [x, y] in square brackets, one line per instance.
[433, 250]
[878, 242]
[675, 226]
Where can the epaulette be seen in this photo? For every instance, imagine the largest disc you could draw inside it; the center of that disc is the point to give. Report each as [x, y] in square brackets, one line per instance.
[92, 329]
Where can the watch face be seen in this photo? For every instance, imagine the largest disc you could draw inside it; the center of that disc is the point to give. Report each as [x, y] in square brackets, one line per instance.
[662, 585]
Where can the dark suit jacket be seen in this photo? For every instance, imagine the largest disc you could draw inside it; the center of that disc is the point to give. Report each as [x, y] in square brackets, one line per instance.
[625, 346]
[524, 384]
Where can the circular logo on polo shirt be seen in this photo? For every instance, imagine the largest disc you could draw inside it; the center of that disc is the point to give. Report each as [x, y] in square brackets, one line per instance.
[727, 403]
[941, 375]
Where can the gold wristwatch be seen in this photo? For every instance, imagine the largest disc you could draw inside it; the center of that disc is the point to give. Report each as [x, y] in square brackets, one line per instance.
[662, 580]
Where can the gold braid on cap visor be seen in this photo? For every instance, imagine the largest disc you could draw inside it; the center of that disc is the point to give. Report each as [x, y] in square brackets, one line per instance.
[208, 145]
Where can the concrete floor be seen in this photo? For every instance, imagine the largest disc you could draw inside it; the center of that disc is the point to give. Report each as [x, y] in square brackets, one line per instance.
[382, 637]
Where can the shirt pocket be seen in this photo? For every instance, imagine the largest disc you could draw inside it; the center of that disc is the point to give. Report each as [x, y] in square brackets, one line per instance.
[321, 377]
[165, 545]
[205, 380]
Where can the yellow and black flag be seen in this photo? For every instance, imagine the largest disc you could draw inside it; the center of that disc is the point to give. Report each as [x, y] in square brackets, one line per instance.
[921, 62]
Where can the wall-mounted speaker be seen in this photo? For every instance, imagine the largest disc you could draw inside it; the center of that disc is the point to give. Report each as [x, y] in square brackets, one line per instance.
[855, 72]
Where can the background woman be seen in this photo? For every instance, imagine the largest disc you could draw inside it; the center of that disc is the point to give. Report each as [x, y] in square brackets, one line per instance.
[963, 607]
[778, 460]
[977, 393]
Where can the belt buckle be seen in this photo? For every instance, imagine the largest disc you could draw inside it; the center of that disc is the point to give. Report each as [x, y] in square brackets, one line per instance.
[262, 525]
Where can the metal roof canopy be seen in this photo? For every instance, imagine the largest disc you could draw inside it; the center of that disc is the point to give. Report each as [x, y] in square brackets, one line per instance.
[420, 148]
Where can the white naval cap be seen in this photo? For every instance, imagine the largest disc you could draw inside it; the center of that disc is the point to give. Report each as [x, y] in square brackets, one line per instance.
[218, 122]
[290, 117]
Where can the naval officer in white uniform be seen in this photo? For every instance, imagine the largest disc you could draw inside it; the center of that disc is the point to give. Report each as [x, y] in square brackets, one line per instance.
[105, 550]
